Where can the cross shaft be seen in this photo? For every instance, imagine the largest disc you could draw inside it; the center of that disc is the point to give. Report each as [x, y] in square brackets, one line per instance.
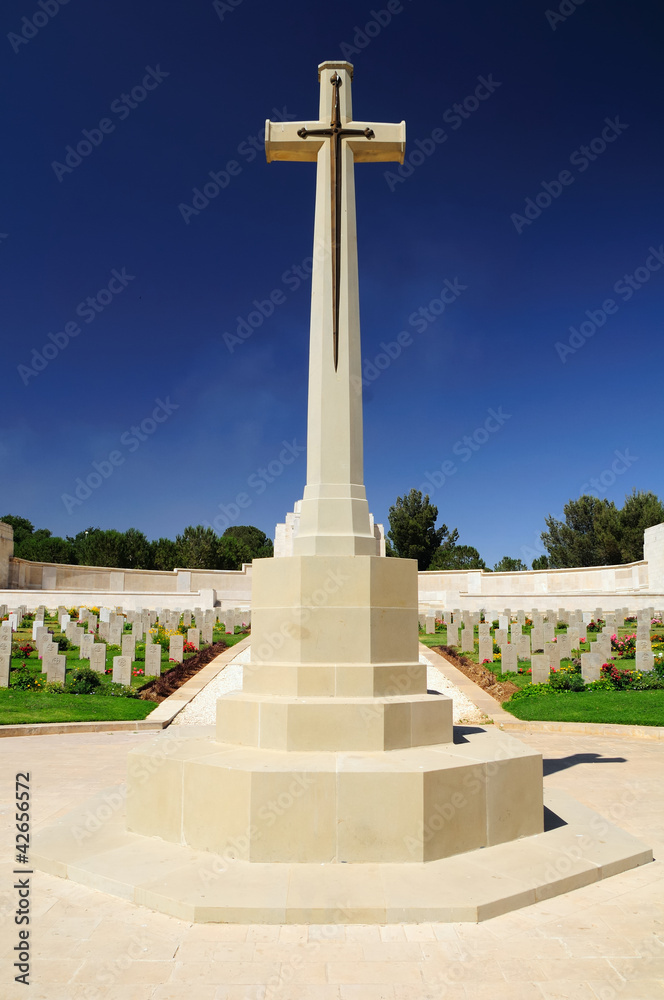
[335, 514]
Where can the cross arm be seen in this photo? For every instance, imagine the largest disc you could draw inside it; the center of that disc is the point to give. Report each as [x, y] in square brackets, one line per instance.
[388, 142]
[282, 141]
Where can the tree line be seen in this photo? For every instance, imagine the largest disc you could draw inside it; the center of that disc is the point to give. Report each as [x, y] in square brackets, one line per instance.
[594, 532]
[196, 548]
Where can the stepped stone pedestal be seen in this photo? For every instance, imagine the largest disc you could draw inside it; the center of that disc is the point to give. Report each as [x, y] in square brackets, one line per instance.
[333, 751]
[333, 787]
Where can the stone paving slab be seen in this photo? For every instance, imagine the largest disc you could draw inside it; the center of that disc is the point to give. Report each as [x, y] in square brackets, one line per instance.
[604, 941]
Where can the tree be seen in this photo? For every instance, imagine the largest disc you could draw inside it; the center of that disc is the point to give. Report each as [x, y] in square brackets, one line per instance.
[640, 511]
[136, 550]
[41, 546]
[164, 554]
[542, 562]
[232, 552]
[256, 541]
[457, 557]
[97, 547]
[508, 565]
[196, 548]
[22, 530]
[597, 533]
[587, 537]
[412, 528]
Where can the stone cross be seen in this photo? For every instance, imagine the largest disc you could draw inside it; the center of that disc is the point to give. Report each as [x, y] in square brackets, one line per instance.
[334, 517]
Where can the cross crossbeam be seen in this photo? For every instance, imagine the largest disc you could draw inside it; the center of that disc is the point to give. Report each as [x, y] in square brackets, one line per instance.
[281, 144]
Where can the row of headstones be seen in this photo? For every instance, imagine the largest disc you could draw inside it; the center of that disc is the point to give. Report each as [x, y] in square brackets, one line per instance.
[109, 627]
[458, 617]
[525, 647]
[7, 628]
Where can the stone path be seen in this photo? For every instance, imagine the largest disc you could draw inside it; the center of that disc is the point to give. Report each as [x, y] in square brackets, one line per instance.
[602, 942]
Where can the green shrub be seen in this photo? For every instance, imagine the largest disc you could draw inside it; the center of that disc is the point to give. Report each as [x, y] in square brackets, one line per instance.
[24, 679]
[652, 681]
[63, 643]
[83, 681]
[533, 691]
[53, 687]
[601, 685]
[566, 681]
[22, 650]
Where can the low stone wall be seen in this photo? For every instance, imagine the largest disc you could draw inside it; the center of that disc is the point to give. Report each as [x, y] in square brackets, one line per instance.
[608, 587]
[56, 583]
[636, 585]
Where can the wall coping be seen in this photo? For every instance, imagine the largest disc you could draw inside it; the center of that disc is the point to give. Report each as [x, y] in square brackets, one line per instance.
[518, 572]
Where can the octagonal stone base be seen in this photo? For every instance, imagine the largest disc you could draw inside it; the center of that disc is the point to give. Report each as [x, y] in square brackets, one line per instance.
[410, 805]
[577, 847]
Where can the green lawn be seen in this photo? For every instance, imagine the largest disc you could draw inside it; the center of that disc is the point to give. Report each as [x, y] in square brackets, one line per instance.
[33, 706]
[438, 639]
[631, 708]
[18, 706]
[643, 708]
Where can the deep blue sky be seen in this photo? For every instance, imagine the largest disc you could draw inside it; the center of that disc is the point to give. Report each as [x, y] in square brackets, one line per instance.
[162, 336]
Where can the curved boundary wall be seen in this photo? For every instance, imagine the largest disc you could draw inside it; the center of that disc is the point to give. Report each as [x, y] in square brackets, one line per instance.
[635, 585]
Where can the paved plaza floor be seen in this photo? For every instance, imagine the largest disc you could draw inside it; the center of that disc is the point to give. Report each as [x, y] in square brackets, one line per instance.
[600, 942]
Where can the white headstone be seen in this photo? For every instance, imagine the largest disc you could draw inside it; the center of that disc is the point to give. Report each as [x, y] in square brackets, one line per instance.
[539, 666]
[98, 657]
[122, 670]
[153, 659]
[175, 648]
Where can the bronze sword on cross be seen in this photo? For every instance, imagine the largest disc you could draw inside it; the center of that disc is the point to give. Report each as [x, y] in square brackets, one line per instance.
[368, 141]
[336, 132]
